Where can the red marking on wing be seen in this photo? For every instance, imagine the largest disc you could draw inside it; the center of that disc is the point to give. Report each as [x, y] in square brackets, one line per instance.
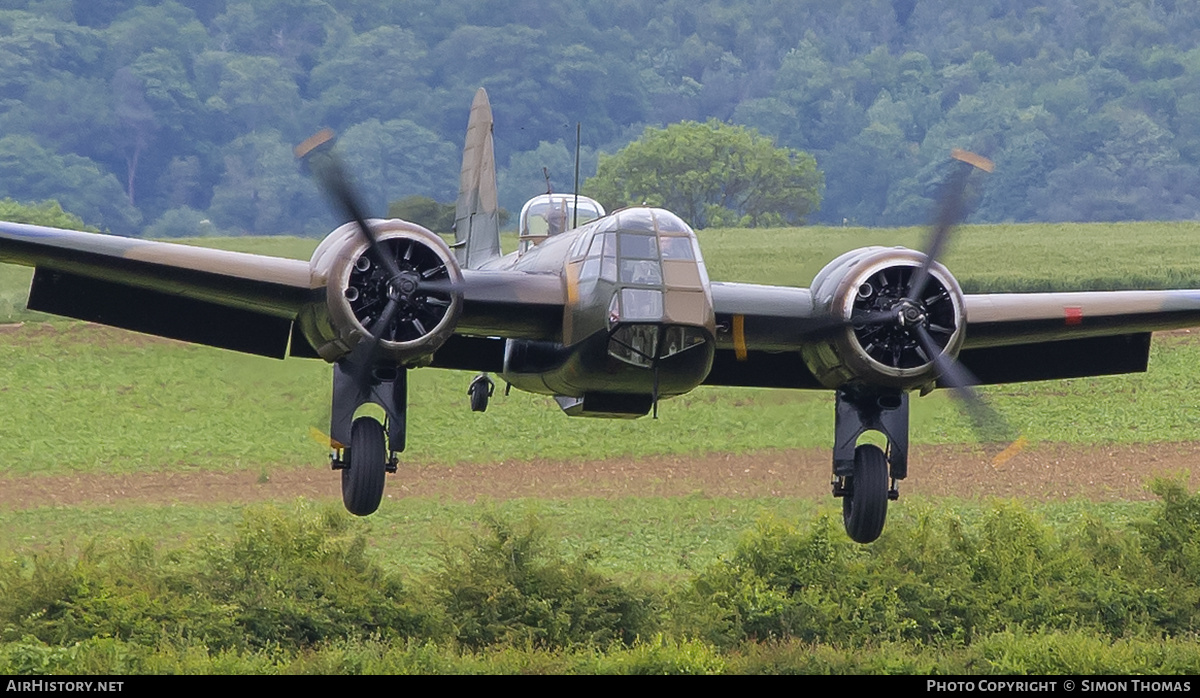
[1073, 316]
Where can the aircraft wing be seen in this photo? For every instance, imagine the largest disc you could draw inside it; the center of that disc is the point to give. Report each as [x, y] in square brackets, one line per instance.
[760, 329]
[232, 300]
[1010, 337]
[247, 302]
[1038, 336]
[498, 305]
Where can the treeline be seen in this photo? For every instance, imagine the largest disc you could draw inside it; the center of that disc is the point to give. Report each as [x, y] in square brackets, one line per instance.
[177, 117]
[995, 591]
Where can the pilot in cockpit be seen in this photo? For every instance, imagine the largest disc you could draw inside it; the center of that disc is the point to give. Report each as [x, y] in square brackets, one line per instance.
[547, 215]
[556, 219]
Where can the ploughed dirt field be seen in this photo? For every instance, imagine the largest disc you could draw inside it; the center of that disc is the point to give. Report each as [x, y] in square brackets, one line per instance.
[1041, 472]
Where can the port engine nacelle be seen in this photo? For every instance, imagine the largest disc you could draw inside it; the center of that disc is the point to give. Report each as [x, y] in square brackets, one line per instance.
[358, 288]
[883, 352]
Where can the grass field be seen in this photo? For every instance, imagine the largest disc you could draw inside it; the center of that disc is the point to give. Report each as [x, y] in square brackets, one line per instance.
[984, 258]
[80, 399]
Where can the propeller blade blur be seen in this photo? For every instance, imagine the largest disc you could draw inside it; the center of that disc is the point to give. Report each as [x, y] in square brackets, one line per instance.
[989, 425]
[950, 212]
[316, 151]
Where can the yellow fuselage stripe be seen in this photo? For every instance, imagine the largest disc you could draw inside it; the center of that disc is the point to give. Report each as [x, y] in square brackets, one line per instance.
[572, 284]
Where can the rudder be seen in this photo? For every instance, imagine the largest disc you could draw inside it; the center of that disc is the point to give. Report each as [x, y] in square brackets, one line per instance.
[477, 218]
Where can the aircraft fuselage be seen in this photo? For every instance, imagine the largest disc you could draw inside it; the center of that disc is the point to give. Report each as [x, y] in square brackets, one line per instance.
[638, 323]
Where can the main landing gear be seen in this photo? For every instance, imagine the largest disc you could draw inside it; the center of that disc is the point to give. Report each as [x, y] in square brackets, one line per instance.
[365, 449]
[865, 476]
[364, 467]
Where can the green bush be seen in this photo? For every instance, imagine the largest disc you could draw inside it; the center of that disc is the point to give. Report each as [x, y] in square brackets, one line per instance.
[425, 212]
[993, 590]
[506, 584]
[796, 657]
[1081, 652]
[31, 656]
[933, 579]
[661, 657]
[303, 577]
[289, 579]
[48, 213]
[1172, 535]
[129, 593]
[182, 222]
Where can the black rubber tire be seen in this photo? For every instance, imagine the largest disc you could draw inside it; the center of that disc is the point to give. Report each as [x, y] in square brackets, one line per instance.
[479, 397]
[864, 508]
[362, 478]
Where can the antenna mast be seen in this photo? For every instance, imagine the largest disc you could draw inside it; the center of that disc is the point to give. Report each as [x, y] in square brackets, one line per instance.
[575, 211]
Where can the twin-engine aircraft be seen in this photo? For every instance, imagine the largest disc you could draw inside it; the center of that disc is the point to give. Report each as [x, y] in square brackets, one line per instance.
[607, 313]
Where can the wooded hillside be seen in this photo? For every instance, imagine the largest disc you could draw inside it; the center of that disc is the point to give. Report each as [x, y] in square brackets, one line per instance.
[177, 117]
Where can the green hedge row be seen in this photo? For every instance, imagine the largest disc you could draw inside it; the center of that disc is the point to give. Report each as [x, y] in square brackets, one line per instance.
[296, 592]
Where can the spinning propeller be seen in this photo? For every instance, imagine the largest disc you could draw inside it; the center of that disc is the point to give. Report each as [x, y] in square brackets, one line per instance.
[903, 316]
[989, 425]
[399, 290]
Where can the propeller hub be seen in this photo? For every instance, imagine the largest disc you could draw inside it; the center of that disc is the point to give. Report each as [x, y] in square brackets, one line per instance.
[910, 314]
[406, 284]
[887, 321]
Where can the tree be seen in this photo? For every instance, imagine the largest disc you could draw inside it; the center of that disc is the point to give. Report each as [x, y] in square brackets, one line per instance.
[431, 214]
[378, 74]
[424, 211]
[524, 178]
[30, 172]
[262, 191]
[398, 158]
[48, 213]
[712, 174]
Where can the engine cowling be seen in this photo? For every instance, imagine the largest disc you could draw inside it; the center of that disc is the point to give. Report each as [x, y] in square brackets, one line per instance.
[358, 288]
[872, 283]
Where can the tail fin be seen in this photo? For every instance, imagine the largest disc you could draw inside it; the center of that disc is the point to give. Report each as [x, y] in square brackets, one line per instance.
[477, 220]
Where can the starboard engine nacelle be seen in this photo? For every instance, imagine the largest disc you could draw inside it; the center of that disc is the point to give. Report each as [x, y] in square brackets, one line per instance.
[358, 289]
[875, 352]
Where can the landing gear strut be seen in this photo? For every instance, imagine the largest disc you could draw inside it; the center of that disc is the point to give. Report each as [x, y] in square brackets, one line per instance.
[366, 449]
[481, 390]
[865, 476]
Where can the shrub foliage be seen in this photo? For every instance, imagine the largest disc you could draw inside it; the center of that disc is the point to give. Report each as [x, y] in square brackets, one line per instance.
[297, 591]
[508, 585]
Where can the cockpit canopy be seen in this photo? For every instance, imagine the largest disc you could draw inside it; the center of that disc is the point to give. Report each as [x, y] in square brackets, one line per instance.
[550, 214]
